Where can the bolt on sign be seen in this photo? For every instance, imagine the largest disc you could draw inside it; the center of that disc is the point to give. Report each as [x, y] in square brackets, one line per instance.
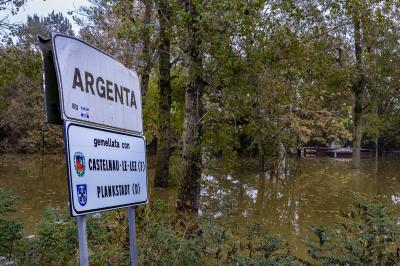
[98, 101]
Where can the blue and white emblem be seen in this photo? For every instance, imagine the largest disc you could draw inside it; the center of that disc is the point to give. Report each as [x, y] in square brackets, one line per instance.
[84, 112]
[82, 194]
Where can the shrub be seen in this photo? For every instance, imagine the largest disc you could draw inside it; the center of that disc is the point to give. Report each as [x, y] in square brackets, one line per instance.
[162, 239]
[368, 235]
[10, 230]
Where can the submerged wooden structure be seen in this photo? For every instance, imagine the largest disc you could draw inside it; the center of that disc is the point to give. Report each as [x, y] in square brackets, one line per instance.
[334, 152]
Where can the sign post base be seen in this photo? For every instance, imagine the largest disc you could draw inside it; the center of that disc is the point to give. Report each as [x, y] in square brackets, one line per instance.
[132, 234]
[82, 237]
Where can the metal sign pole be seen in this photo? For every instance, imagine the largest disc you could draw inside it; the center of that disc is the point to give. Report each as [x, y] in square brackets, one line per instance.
[83, 247]
[132, 235]
[85, 123]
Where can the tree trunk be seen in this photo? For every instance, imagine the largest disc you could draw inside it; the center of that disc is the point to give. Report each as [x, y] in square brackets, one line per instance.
[357, 89]
[164, 90]
[146, 54]
[189, 191]
[357, 135]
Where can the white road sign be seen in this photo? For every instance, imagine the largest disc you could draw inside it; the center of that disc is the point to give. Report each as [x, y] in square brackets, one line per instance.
[106, 169]
[95, 87]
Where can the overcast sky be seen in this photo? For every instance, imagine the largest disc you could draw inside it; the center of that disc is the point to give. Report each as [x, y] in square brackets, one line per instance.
[42, 8]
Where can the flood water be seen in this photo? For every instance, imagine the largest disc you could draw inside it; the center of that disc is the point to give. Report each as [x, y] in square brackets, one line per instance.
[307, 191]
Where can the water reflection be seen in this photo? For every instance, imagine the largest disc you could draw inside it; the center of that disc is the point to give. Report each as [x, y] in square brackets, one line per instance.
[38, 182]
[302, 192]
[308, 191]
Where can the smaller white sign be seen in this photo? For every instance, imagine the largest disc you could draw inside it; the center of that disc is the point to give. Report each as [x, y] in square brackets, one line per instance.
[106, 169]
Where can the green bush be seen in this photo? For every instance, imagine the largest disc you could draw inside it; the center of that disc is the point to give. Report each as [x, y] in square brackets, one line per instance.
[165, 239]
[243, 244]
[10, 230]
[162, 239]
[55, 242]
[368, 235]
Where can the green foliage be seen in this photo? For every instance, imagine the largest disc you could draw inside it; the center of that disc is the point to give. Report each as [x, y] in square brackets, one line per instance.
[368, 235]
[187, 240]
[22, 120]
[150, 111]
[243, 244]
[10, 230]
[55, 243]
[160, 242]
[37, 26]
[277, 74]
[175, 169]
[100, 25]
[6, 202]
[162, 239]
[178, 101]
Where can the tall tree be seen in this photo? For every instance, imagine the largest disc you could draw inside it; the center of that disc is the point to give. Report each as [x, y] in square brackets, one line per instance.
[164, 91]
[189, 191]
[358, 85]
[100, 24]
[135, 25]
[35, 25]
[146, 54]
